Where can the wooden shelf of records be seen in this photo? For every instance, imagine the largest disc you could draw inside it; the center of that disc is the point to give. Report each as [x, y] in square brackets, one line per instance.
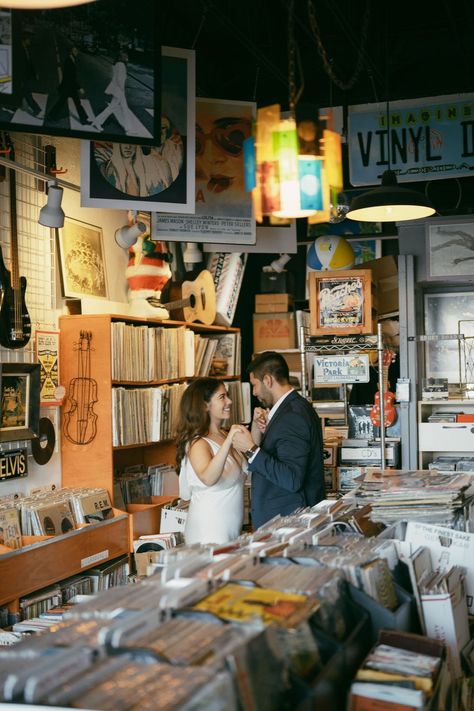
[124, 377]
[446, 435]
[44, 560]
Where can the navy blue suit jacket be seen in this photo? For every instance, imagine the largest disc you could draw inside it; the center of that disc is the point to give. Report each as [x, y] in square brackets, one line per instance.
[288, 471]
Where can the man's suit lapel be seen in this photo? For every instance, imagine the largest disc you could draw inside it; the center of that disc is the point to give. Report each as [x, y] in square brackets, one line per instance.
[281, 410]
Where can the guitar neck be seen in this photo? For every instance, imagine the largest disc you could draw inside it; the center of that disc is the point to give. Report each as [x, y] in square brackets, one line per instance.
[15, 273]
[178, 304]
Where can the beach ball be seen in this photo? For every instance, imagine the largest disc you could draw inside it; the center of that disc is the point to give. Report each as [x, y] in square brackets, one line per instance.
[330, 252]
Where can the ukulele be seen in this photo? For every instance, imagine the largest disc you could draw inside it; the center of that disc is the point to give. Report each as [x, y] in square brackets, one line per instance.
[192, 300]
[15, 324]
[390, 413]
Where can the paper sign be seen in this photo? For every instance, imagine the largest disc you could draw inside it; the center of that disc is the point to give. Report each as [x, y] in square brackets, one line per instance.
[342, 368]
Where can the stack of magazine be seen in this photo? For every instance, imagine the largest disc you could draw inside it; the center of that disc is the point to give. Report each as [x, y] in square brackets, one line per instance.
[423, 495]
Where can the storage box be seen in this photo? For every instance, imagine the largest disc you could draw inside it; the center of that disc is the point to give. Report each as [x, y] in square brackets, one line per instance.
[273, 331]
[276, 282]
[404, 618]
[145, 518]
[273, 303]
[172, 520]
[385, 276]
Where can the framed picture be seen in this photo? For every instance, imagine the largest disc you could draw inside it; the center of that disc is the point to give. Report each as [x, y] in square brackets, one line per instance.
[20, 397]
[366, 249]
[340, 302]
[449, 313]
[82, 260]
[128, 177]
[224, 210]
[450, 250]
[47, 355]
[71, 79]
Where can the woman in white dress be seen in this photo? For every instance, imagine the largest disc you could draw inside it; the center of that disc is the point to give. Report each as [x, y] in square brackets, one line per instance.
[210, 470]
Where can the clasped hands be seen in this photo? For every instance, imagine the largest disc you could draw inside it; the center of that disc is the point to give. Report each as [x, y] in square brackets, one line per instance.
[242, 439]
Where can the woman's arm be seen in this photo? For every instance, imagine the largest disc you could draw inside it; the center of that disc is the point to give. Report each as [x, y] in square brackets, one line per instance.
[207, 466]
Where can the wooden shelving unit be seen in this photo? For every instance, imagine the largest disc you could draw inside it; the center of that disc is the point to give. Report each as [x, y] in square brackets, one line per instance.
[44, 560]
[93, 464]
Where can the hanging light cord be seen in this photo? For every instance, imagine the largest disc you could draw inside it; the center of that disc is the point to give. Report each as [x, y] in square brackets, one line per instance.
[293, 57]
[323, 54]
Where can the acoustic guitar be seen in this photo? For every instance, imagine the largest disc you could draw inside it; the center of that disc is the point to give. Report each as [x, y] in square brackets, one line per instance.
[390, 413]
[192, 300]
[15, 324]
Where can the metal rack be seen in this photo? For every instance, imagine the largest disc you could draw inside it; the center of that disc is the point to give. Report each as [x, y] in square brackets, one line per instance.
[334, 344]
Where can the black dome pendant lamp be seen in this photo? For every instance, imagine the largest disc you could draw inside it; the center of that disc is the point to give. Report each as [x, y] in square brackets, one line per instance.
[390, 202]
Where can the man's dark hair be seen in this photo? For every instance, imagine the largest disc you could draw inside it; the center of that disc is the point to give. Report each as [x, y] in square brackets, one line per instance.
[270, 363]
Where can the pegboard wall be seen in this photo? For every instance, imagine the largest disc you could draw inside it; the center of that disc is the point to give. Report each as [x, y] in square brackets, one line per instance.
[36, 246]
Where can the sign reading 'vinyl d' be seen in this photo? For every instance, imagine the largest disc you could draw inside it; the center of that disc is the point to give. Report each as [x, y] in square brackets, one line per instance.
[427, 139]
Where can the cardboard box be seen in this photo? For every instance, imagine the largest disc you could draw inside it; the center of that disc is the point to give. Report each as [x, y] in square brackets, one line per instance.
[273, 303]
[385, 276]
[145, 518]
[143, 560]
[273, 331]
[276, 282]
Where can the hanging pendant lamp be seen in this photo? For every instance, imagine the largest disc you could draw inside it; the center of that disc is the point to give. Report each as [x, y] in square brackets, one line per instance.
[390, 202]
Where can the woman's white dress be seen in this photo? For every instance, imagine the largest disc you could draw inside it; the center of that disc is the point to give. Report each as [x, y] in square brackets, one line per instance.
[215, 512]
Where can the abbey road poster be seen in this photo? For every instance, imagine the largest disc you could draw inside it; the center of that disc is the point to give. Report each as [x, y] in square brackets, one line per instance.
[84, 71]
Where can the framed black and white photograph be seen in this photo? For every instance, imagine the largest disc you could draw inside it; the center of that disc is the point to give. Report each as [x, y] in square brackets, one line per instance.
[81, 251]
[152, 178]
[20, 399]
[85, 71]
[448, 314]
[450, 250]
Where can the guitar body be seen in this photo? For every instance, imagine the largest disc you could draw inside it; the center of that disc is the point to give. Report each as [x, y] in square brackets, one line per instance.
[15, 324]
[193, 300]
[390, 412]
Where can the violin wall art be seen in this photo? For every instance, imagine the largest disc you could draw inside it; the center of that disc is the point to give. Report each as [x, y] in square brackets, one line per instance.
[80, 420]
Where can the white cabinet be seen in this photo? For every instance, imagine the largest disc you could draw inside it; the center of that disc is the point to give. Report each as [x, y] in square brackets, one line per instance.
[436, 438]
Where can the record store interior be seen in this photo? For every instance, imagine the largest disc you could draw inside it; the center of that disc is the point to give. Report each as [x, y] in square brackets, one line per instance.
[236, 355]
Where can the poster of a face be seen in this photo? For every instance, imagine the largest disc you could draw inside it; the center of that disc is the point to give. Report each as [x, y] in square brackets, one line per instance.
[223, 208]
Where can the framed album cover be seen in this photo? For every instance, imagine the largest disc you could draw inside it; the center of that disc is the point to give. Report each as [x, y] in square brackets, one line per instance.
[340, 302]
[19, 389]
[152, 178]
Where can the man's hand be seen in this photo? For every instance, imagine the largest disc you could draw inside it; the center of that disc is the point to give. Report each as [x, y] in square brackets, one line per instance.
[260, 418]
[242, 440]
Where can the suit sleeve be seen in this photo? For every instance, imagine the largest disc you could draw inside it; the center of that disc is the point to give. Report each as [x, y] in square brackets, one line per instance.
[287, 467]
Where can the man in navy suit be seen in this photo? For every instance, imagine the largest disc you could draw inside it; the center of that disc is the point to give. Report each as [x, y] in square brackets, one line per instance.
[284, 447]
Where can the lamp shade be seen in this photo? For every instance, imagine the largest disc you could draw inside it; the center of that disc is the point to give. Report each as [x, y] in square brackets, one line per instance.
[52, 214]
[390, 202]
[41, 4]
[127, 236]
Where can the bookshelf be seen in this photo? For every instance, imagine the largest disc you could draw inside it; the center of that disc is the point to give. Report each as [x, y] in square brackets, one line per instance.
[45, 560]
[93, 463]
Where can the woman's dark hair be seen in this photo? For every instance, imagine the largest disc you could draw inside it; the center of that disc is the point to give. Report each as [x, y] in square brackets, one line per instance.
[271, 363]
[193, 418]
